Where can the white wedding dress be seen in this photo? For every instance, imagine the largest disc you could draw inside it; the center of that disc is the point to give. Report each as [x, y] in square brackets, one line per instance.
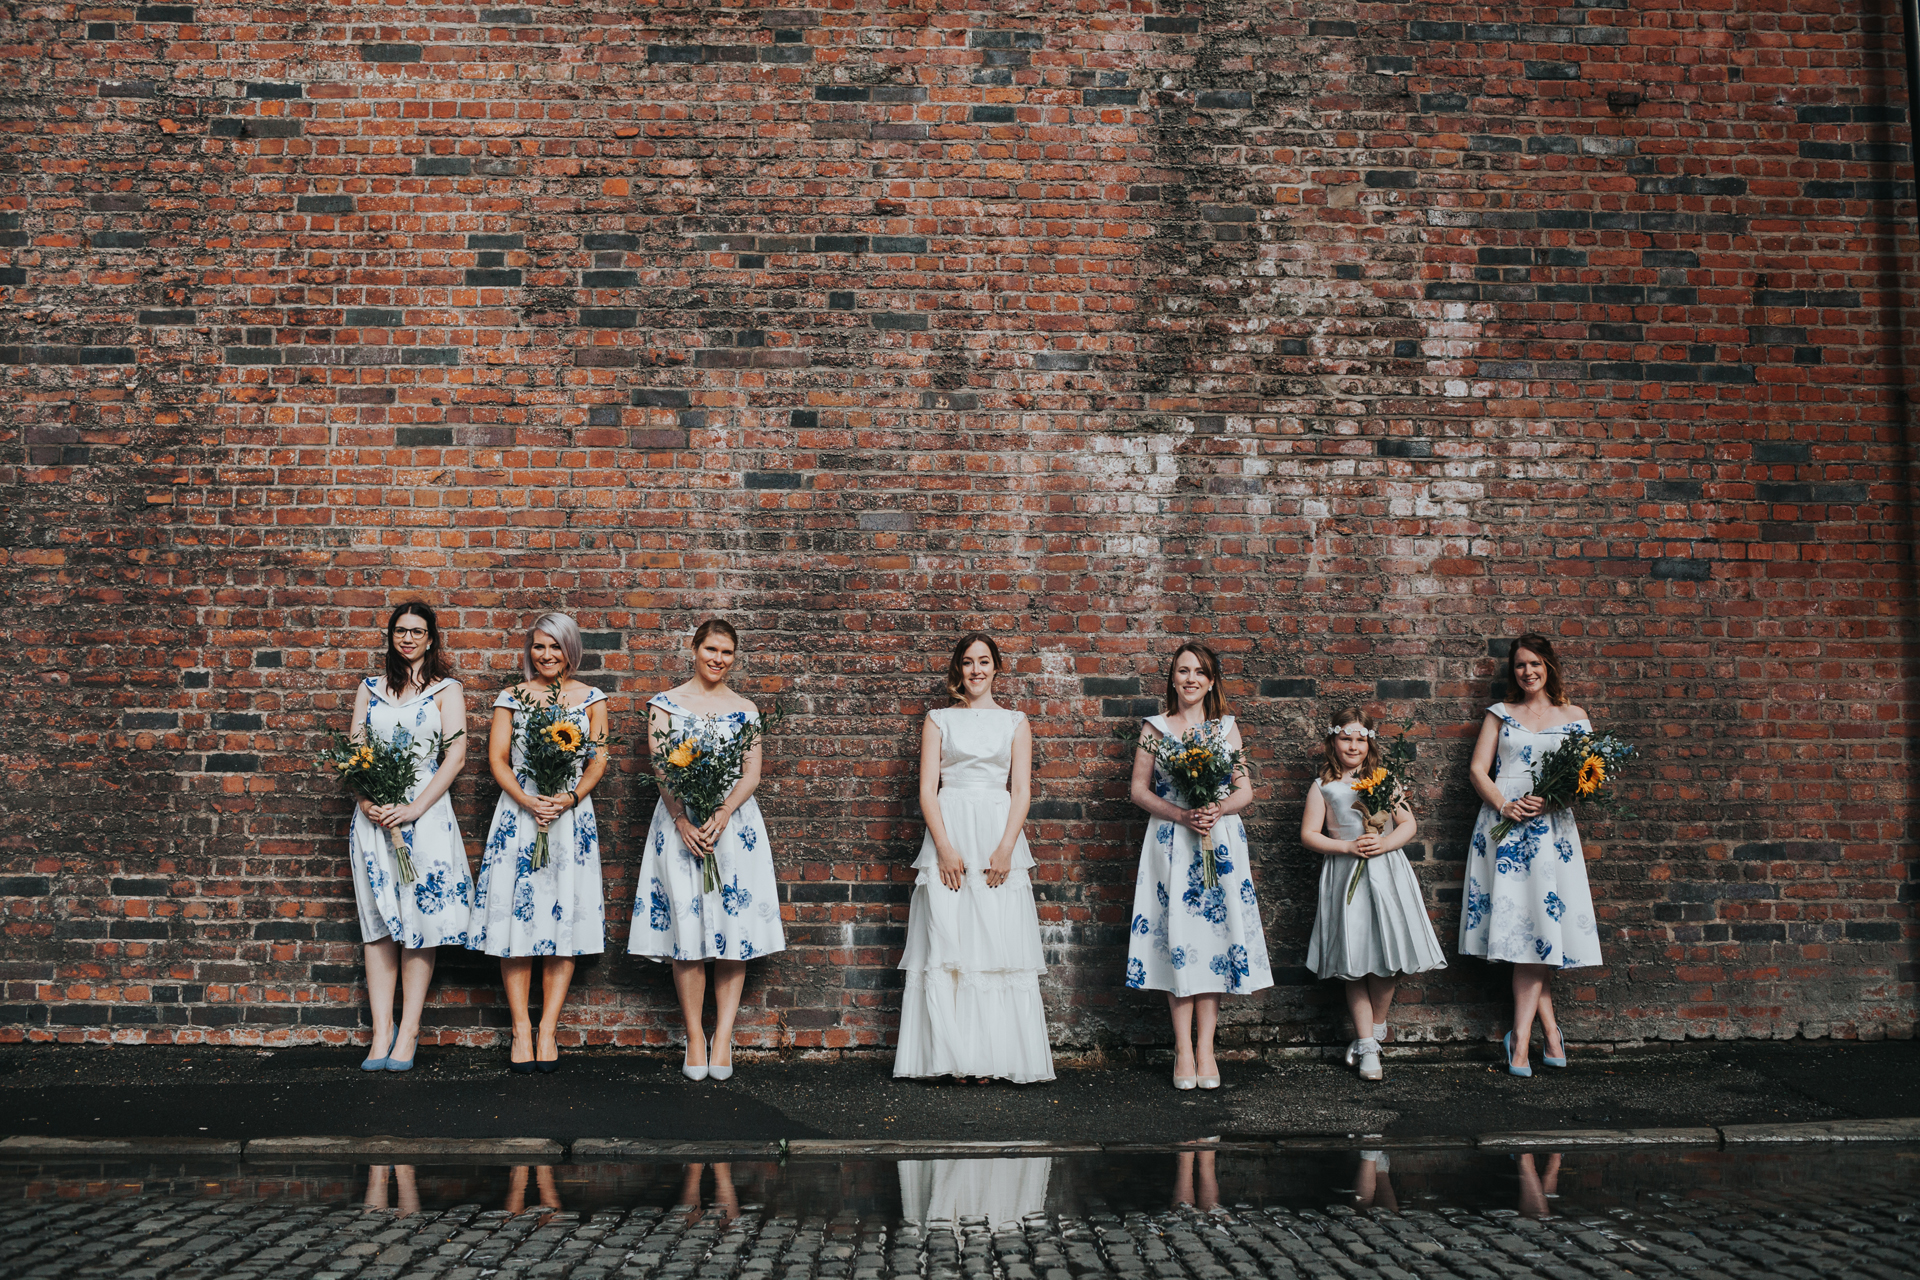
[973, 959]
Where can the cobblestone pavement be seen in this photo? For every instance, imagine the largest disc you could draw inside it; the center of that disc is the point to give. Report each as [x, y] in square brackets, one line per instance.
[1779, 1234]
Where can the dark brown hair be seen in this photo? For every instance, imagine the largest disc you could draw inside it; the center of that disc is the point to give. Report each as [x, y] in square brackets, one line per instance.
[1556, 692]
[956, 687]
[1331, 770]
[711, 625]
[434, 667]
[1215, 703]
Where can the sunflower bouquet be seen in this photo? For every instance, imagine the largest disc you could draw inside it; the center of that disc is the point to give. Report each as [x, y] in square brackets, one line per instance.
[382, 770]
[1201, 765]
[1381, 790]
[554, 750]
[701, 762]
[1579, 770]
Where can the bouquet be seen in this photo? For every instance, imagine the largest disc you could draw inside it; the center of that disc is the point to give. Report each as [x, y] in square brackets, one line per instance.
[382, 770]
[553, 748]
[701, 763]
[1575, 770]
[1201, 767]
[1380, 792]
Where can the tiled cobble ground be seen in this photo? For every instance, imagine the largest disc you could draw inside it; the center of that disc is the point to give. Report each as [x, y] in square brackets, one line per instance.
[145, 1236]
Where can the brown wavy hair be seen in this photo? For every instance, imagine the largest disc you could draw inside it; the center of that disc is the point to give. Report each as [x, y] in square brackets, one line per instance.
[1556, 692]
[436, 666]
[1330, 771]
[712, 625]
[1215, 703]
[956, 687]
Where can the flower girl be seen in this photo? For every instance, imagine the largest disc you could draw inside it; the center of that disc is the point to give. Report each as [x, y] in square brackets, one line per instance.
[1372, 924]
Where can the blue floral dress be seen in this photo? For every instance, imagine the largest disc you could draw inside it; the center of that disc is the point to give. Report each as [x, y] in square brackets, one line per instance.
[557, 910]
[674, 918]
[1186, 938]
[432, 911]
[1527, 900]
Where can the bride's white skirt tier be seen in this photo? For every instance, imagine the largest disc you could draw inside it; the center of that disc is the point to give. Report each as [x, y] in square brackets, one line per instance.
[973, 959]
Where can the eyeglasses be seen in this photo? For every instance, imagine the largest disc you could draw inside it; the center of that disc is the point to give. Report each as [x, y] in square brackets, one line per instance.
[411, 633]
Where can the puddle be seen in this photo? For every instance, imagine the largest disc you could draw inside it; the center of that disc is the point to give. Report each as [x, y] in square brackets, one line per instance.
[1152, 1216]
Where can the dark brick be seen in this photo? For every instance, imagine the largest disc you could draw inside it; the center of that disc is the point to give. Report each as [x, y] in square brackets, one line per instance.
[608, 317]
[1055, 811]
[1551, 70]
[1403, 447]
[774, 480]
[163, 13]
[1401, 690]
[1172, 26]
[1109, 686]
[150, 720]
[422, 437]
[1672, 569]
[1288, 687]
[991, 115]
[896, 320]
[840, 244]
[442, 167]
[390, 52]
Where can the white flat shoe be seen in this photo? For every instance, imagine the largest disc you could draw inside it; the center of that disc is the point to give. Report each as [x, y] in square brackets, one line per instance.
[690, 1071]
[1352, 1054]
[1185, 1082]
[714, 1070]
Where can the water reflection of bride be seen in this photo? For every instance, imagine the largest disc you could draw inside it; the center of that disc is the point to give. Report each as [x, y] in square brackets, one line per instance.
[1001, 1191]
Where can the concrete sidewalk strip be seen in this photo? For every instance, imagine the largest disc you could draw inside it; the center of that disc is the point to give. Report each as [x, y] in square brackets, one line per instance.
[1702, 1136]
[614, 1150]
[454, 1150]
[1904, 1129]
[30, 1147]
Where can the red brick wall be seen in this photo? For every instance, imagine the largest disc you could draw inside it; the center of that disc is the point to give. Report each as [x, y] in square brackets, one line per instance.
[1351, 339]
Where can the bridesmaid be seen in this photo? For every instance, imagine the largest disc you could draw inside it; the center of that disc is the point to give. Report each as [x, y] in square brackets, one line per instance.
[401, 924]
[555, 912]
[972, 1004]
[1527, 900]
[1192, 942]
[673, 917]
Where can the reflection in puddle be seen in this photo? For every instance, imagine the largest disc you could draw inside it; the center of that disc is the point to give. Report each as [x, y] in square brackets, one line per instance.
[1174, 1215]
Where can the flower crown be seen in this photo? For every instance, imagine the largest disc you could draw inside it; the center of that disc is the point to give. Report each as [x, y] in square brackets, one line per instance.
[1335, 730]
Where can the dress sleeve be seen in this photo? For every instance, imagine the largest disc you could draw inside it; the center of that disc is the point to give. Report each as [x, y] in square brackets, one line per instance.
[597, 695]
[507, 700]
[933, 718]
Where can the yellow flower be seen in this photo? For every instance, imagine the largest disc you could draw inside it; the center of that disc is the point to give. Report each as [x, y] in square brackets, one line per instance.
[683, 755]
[1372, 780]
[1593, 776]
[362, 759]
[565, 735]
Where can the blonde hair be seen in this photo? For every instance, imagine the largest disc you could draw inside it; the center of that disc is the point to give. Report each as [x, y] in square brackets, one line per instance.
[565, 632]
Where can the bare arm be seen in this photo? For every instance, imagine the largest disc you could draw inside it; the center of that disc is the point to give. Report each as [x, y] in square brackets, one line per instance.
[1313, 826]
[1241, 797]
[597, 767]
[500, 755]
[1020, 788]
[357, 732]
[1141, 791]
[951, 866]
[1480, 773]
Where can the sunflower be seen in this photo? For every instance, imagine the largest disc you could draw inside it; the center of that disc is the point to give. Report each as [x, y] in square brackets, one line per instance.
[683, 755]
[1593, 776]
[565, 735]
[1372, 780]
[362, 759]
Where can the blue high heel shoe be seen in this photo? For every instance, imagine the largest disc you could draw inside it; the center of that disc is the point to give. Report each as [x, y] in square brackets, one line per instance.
[1511, 1069]
[380, 1063]
[395, 1064]
[1550, 1061]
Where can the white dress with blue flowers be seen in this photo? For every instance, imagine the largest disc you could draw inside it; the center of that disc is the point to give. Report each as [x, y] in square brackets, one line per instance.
[432, 911]
[1527, 901]
[973, 957]
[557, 910]
[1188, 939]
[674, 918]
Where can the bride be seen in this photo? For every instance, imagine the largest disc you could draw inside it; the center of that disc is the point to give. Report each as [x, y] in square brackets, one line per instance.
[973, 960]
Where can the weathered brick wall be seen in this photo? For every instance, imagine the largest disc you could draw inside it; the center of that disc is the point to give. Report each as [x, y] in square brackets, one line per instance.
[1352, 339]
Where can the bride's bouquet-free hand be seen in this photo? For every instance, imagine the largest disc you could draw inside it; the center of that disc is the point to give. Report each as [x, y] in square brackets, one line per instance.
[382, 770]
[1201, 764]
[1380, 791]
[1580, 770]
[554, 749]
[701, 763]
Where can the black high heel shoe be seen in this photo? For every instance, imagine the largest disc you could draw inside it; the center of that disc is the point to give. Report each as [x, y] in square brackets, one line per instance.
[526, 1068]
